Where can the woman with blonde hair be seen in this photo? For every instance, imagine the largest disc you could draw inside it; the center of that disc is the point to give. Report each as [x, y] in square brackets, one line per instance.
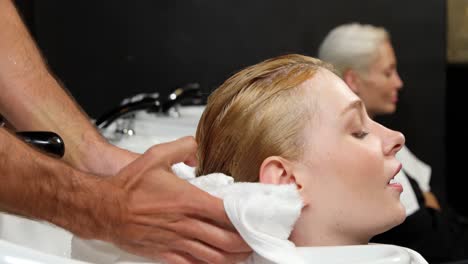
[312, 174]
[290, 119]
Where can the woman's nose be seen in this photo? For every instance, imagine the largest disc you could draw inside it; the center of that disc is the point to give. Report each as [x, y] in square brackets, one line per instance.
[398, 81]
[394, 141]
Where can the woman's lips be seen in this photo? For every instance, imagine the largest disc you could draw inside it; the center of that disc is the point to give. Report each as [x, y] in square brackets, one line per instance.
[398, 169]
[395, 185]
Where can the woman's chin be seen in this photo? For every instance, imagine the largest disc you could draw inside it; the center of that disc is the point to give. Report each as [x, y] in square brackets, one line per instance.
[397, 218]
[402, 214]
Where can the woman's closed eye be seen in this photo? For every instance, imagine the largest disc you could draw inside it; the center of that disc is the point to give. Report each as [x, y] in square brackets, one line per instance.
[360, 134]
[357, 122]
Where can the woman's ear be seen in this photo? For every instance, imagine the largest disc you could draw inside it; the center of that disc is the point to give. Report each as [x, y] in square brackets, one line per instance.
[276, 170]
[352, 79]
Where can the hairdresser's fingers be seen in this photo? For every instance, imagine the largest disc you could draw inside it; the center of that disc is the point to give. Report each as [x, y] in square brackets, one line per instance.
[205, 231]
[208, 206]
[177, 257]
[161, 245]
[180, 150]
[205, 206]
[206, 253]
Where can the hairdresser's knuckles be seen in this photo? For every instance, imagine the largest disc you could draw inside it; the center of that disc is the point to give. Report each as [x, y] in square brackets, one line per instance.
[211, 234]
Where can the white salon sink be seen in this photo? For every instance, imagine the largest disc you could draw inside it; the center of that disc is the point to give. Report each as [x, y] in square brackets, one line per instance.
[150, 129]
[11, 253]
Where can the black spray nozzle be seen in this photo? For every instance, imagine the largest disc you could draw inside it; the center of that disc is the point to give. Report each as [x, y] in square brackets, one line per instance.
[49, 142]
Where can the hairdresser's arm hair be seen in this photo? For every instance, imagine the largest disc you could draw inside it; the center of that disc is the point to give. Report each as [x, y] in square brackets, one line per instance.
[37, 186]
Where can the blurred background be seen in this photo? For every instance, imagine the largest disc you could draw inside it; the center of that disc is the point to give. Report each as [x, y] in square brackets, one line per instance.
[104, 51]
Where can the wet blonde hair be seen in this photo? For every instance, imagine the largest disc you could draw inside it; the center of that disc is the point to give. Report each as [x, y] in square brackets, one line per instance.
[257, 113]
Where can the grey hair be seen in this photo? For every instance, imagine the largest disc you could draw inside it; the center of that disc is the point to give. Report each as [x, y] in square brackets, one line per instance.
[352, 46]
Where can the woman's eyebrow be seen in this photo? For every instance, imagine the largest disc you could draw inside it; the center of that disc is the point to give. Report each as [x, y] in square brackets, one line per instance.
[357, 104]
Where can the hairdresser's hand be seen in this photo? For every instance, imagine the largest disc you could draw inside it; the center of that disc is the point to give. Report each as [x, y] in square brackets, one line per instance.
[166, 218]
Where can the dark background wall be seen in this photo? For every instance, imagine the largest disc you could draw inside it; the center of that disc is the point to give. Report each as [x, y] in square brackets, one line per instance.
[104, 51]
[457, 131]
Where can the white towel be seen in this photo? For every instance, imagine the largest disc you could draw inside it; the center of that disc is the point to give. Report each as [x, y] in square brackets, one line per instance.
[263, 214]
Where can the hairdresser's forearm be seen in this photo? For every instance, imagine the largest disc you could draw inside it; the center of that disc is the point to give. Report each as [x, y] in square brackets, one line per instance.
[32, 99]
[40, 187]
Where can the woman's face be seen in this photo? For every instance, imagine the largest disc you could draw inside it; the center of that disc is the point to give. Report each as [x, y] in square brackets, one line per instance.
[379, 87]
[347, 166]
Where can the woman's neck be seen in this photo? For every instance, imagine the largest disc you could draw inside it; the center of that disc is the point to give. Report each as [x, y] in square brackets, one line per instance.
[311, 230]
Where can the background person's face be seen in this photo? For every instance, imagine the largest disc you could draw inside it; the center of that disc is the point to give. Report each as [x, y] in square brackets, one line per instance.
[348, 162]
[379, 87]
